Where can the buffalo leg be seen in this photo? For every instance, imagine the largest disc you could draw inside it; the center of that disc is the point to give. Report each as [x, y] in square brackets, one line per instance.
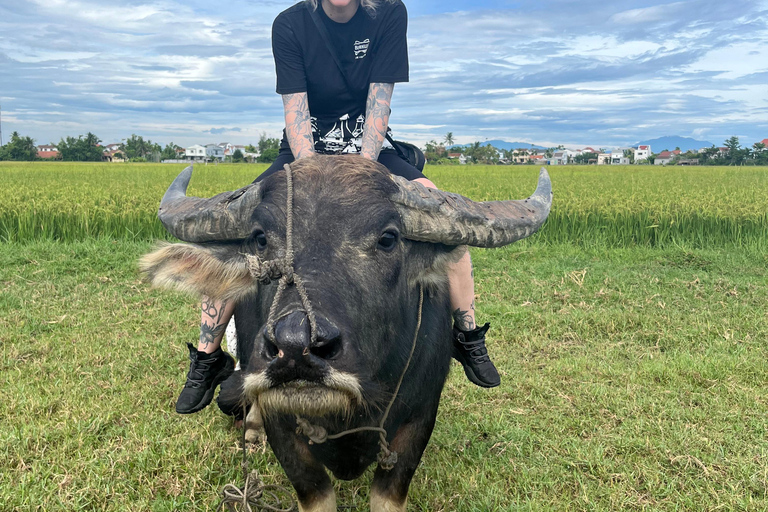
[389, 492]
[307, 475]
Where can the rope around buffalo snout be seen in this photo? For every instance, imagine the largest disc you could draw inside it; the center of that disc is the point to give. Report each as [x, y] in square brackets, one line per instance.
[386, 458]
[282, 270]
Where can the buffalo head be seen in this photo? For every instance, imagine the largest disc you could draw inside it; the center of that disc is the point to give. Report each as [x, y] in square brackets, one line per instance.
[363, 243]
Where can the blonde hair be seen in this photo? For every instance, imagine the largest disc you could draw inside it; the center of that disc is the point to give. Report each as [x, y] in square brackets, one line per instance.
[368, 5]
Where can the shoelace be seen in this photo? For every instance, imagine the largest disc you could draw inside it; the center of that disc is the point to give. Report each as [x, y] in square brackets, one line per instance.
[198, 367]
[475, 349]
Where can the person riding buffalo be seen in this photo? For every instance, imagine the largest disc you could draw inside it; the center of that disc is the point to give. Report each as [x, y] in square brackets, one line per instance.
[333, 112]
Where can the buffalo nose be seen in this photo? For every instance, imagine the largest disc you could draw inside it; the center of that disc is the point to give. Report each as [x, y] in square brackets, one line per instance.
[292, 340]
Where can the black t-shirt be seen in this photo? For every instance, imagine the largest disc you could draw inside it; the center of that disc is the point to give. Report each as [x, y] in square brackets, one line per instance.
[371, 50]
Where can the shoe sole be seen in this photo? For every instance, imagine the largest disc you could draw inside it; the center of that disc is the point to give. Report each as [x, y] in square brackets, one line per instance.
[471, 374]
[208, 396]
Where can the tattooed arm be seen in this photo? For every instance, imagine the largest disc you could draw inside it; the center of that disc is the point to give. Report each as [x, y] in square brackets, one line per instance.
[298, 127]
[376, 119]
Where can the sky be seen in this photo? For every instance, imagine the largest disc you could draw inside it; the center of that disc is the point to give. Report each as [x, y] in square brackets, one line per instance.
[548, 72]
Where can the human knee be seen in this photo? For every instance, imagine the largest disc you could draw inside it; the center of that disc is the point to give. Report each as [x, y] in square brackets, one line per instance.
[426, 182]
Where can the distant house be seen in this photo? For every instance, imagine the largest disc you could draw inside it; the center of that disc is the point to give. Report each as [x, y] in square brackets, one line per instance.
[47, 151]
[665, 157]
[520, 157]
[559, 158]
[604, 159]
[196, 152]
[114, 155]
[458, 156]
[765, 141]
[230, 149]
[536, 159]
[214, 152]
[642, 153]
[619, 159]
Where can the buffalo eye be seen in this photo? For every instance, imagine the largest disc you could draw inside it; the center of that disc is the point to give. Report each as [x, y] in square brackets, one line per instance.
[261, 240]
[388, 240]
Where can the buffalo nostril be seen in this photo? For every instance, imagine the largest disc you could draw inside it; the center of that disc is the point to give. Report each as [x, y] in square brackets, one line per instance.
[329, 349]
[270, 350]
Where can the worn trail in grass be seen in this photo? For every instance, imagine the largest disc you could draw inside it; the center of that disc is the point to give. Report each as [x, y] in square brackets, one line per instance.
[632, 378]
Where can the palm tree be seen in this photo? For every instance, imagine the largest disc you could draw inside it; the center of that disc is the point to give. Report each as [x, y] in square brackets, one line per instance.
[449, 139]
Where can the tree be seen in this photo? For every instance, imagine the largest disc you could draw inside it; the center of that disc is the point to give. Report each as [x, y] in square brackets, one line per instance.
[449, 139]
[584, 158]
[267, 143]
[19, 148]
[81, 149]
[710, 153]
[250, 148]
[237, 156]
[136, 148]
[434, 151]
[735, 154]
[169, 152]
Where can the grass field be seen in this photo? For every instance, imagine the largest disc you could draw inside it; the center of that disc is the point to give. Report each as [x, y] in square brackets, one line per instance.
[613, 206]
[634, 369]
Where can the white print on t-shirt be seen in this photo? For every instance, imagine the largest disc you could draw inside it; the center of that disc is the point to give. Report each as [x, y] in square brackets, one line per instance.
[361, 48]
[341, 138]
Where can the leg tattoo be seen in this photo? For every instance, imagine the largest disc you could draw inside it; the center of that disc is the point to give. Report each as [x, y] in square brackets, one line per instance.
[213, 328]
[463, 319]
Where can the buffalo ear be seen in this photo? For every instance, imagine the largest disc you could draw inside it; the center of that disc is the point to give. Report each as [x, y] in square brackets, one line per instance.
[216, 270]
[429, 262]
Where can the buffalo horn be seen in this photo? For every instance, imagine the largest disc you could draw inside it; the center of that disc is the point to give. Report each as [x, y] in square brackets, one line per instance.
[431, 215]
[225, 216]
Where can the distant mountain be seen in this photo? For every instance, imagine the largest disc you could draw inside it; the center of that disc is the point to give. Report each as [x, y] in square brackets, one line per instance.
[671, 142]
[501, 144]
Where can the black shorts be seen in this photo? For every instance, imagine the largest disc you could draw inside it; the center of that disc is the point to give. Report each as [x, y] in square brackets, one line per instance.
[388, 158]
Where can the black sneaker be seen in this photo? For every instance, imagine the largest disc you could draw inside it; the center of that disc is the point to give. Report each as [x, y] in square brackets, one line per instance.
[469, 349]
[206, 371]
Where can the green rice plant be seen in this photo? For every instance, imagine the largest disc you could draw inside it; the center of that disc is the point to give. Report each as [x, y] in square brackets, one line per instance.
[618, 206]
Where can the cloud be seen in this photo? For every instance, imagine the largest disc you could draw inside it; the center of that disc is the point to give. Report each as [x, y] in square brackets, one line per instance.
[540, 70]
[219, 131]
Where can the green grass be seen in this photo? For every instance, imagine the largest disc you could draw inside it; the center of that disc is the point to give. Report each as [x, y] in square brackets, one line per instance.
[633, 379]
[611, 206]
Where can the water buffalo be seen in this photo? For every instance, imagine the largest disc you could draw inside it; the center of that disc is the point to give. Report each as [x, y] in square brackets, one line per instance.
[364, 243]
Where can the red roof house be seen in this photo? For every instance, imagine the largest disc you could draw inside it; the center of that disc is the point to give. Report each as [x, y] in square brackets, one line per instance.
[47, 151]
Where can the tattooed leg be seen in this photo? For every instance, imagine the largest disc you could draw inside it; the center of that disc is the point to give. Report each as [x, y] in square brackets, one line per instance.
[214, 318]
[461, 288]
[461, 285]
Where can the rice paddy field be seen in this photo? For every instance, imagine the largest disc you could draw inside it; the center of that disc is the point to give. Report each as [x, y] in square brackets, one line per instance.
[618, 206]
[631, 334]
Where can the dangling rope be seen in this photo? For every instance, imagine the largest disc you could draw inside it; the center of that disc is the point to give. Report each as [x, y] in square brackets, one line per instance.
[387, 458]
[251, 497]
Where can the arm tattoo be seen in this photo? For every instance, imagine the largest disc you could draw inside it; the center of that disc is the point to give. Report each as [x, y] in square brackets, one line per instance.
[298, 126]
[213, 327]
[463, 319]
[376, 119]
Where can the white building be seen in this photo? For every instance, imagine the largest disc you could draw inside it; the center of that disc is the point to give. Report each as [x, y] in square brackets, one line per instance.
[559, 158]
[642, 153]
[196, 152]
[619, 159]
[214, 152]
